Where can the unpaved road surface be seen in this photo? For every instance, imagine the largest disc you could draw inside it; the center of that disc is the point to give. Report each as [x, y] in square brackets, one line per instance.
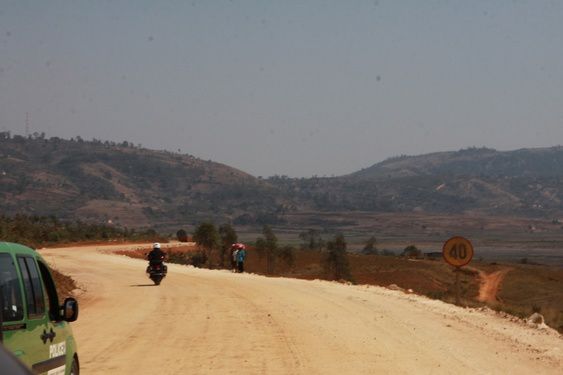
[216, 322]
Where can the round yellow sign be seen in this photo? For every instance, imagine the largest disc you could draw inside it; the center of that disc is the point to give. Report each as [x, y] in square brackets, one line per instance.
[457, 251]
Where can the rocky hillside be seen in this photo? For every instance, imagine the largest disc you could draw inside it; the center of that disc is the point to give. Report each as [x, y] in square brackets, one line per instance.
[122, 183]
[525, 182]
[473, 162]
[128, 185]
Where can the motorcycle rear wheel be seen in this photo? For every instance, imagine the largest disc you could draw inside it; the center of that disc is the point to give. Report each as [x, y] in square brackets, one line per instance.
[156, 280]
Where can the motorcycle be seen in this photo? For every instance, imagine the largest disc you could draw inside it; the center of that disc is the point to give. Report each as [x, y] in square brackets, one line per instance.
[157, 271]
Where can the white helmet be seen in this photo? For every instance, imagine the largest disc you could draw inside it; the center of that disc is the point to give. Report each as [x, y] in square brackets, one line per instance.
[156, 245]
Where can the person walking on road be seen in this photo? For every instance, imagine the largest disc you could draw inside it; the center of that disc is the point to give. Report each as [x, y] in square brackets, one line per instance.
[241, 256]
[234, 251]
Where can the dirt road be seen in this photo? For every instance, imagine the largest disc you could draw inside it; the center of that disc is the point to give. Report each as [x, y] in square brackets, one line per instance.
[216, 322]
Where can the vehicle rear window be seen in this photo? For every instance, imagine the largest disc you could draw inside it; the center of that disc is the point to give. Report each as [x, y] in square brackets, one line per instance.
[10, 291]
[33, 290]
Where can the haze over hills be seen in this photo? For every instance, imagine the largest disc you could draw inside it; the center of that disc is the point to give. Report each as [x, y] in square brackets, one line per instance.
[523, 182]
[94, 180]
[476, 162]
[132, 186]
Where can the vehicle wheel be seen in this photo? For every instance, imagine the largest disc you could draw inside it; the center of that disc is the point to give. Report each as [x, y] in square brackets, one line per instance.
[74, 368]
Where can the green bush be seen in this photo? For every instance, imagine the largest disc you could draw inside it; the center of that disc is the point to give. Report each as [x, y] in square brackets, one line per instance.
[198, 259]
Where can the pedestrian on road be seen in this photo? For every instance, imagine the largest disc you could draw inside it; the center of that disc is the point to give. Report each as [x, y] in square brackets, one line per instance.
[234, 252]
[241, 256]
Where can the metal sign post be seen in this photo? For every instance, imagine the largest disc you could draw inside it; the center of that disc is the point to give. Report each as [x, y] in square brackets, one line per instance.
[457, 270]
[458, 252]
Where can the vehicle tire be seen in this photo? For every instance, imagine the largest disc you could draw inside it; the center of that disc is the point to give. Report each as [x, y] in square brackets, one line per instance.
[156, 280]
[74, 368]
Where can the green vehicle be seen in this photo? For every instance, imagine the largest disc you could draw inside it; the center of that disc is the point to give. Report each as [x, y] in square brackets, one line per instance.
[35, 328]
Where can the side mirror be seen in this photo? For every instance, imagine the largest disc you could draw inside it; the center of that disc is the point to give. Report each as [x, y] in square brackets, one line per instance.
[70, 309]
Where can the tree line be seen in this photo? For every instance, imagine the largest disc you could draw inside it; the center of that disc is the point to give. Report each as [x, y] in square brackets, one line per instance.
[35, 231]
[214, 244]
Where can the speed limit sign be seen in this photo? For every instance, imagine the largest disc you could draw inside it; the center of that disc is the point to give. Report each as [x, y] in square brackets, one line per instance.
[457, 251]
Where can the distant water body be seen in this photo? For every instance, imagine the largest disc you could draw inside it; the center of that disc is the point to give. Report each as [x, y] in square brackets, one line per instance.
[549, 257]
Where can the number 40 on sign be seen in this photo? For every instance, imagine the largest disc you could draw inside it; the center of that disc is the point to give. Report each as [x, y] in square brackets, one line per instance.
[457, 251]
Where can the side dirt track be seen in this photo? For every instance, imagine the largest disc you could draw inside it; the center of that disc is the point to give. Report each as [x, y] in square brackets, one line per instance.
[490, 284]
[216, 322]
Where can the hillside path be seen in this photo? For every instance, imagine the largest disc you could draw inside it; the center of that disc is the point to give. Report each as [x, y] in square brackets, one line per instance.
[217, 322]
[490, 285]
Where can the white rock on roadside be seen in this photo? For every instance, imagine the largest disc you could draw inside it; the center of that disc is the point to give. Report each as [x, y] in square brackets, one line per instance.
[536, 320]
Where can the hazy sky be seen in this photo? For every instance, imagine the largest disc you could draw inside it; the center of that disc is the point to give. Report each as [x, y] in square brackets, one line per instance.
[286, 87]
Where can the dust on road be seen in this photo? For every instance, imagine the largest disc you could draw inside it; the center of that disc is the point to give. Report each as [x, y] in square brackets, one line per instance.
[216, 322]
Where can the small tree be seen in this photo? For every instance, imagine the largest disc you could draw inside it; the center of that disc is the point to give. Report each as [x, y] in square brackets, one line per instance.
[370, 248]
[336, 259]
[411, 251]
[268, 245]
[207, 238]
[260, 248]
[198, 259]
[312, 240]
[182, 235]
[287, 254]
[228, 237]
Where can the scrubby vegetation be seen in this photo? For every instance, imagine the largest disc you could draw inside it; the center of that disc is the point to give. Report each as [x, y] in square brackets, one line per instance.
[37, 231]
[336, 259]
[207, 238]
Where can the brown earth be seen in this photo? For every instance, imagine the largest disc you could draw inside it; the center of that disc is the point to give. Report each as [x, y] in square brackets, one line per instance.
[66, 286]
[490, 285]
[217, 322]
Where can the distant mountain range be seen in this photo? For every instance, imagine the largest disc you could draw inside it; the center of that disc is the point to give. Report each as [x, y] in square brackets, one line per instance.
[134, 187]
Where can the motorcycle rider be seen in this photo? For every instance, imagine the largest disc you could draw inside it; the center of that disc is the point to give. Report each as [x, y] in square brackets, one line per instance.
[156, 255]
